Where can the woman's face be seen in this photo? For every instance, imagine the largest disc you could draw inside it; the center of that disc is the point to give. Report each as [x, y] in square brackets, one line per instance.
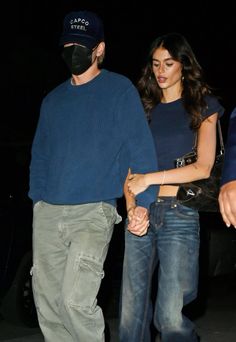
[168, 72]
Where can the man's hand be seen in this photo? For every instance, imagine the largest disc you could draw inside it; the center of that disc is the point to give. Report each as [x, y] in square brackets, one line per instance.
[138, 220]
[227, 202]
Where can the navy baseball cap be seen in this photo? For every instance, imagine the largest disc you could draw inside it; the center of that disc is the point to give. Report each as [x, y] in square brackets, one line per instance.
[83, 27]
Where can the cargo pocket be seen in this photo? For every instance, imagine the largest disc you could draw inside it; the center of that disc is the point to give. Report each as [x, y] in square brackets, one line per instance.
[87, 283]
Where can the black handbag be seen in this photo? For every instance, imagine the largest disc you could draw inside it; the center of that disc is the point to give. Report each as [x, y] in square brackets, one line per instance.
[202, 195]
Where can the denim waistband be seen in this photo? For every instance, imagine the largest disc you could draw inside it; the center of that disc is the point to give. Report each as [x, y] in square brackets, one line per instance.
[166, 199]
[170, 201]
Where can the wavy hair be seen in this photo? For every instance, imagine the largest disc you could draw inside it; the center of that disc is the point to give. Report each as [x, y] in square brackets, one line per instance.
[194, 86]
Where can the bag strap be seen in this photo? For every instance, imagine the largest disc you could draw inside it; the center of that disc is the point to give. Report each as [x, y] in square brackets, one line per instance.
[219, 130]
[222, 148]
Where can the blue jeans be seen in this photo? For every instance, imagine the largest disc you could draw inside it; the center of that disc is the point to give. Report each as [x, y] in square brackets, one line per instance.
[70, 244]
[172, 241]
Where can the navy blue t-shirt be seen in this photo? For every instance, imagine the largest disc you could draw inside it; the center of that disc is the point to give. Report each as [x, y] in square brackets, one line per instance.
[170, 126]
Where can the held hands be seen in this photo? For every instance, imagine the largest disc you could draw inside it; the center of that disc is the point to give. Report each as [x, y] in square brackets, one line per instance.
[138, 216]
[138, 220]
[227, 202]
[136, 183]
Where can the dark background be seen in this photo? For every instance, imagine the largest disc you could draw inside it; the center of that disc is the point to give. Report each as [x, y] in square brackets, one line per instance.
[32, 64]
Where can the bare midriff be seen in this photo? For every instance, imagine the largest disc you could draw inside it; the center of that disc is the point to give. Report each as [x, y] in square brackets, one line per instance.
[168, 190]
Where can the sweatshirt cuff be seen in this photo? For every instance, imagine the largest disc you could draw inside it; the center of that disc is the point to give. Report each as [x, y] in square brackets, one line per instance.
[144, 199]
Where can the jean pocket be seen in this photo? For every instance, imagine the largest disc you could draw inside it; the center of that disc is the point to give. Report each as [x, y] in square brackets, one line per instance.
[186, 212]
[110, 214]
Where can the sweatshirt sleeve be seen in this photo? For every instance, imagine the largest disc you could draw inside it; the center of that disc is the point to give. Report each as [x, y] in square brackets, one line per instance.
[229, 169]
[38, 159]
[139, 142]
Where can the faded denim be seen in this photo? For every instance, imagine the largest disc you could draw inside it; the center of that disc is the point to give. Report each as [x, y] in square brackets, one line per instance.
[70, 244]
[172, 242]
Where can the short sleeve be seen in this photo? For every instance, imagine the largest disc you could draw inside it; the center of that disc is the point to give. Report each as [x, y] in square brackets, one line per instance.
[213, 106]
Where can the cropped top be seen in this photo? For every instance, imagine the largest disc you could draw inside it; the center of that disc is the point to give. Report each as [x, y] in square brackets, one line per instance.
[170, 126]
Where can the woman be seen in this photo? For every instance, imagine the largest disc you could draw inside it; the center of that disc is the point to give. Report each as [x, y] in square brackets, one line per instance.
[179, 104]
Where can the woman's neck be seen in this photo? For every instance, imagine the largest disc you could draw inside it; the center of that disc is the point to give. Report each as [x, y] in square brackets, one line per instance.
[171, 94]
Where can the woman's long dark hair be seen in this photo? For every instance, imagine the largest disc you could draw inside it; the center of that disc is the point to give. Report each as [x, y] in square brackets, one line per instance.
[194, 86]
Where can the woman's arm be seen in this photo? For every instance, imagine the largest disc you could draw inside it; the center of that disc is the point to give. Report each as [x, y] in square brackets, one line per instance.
[227, 197]
[199, 170]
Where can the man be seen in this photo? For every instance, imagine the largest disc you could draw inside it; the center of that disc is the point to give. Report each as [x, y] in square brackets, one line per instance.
[227, 197]
[91, 129]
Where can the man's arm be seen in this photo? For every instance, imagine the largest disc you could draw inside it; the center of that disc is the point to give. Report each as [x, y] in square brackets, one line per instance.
[38, 159]
[139, 155]
[227, 202]
[140, 144]
[137, 216]
[227, 196]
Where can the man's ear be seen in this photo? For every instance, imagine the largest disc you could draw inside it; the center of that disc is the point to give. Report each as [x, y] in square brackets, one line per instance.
[100, 49]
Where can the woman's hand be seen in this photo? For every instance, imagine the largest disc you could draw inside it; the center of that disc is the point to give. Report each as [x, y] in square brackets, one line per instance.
[136, 183]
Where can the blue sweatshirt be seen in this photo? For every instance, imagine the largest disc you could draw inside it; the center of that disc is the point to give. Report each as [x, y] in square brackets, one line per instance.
[86, 139]
[229, 169]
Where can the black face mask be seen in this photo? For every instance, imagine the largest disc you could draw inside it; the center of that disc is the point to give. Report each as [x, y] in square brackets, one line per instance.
[78, 58]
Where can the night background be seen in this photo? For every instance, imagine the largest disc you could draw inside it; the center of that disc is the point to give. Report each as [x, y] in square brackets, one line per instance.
[32, 64]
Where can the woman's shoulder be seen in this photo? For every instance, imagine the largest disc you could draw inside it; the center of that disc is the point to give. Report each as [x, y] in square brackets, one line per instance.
[213, 106]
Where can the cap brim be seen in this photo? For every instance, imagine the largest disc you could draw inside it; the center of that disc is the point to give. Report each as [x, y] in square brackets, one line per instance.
[87, 41]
